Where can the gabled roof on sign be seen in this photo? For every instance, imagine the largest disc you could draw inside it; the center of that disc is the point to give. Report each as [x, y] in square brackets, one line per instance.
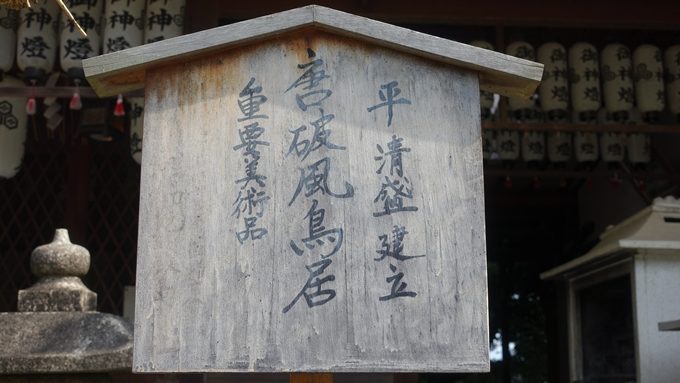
[125, 70]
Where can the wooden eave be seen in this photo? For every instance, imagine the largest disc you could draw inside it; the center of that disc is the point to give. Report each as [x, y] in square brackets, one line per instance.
[125, 70]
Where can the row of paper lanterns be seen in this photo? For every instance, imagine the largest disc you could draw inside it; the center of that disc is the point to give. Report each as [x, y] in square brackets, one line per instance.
[585, 86]
[36, 37]
[42, 33]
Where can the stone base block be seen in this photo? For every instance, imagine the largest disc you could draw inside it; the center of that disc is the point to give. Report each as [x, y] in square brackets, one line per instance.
[57, 294]
[64, 342]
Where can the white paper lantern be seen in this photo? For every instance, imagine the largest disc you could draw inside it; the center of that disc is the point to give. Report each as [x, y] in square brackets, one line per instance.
[13, 121]
[8, 38]
[489, 145]
[74, 47]
[616, 69]
[559, 147]
[37, 38]
[136, 127]
[123, 24]
[524, 107]
[586, 148]
[612, 144]
[584, 81]
[508, 145]
[533, 146]
[638, 148]
[638, 144]
[554, 88]
[164, 20]
[672, 71]
[649, 83]
[554, 96]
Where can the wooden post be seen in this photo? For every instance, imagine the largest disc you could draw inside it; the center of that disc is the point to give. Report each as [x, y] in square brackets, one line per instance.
[75, 214]
[297, 377]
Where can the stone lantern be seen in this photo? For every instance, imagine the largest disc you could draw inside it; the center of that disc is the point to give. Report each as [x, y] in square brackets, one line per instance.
[620, 294]
[57, 335]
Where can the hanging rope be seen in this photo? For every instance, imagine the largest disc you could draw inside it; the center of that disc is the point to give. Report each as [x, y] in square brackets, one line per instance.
[15, 4]
[19, 4]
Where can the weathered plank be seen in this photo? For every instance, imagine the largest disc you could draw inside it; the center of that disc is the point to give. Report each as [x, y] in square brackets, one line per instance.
[206, 302]
[124, 71]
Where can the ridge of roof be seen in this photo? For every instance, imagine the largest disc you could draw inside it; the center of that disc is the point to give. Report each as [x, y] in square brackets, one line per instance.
[125, 70]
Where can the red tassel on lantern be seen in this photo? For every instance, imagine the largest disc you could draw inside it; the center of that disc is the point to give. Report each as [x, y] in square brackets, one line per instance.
[75, 103]
[31, 106]
[119, 110]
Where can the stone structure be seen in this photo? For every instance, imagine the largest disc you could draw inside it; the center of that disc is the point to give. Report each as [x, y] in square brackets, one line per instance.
[57, 335]
[618, 296]
[59, 265]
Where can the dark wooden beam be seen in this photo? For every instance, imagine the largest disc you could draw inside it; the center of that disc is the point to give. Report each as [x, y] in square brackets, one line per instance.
[203, 14]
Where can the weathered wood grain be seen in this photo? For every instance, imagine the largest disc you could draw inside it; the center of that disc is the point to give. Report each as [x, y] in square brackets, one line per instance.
[125, 70]
[207, 303]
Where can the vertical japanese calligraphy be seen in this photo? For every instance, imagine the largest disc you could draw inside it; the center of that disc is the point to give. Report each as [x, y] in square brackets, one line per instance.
[296, 230]
[395, 186]
[321, 243]
[395, 196]
[394, 249]
[388, 93]
[252, 194]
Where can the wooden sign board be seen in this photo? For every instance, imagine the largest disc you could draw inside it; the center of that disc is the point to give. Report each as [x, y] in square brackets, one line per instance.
[311, 202]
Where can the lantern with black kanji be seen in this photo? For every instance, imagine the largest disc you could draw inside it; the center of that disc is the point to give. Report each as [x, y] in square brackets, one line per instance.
[124, 28]
[8, 38]
[649, 82]
[612, 145]
[123, 24]
[525, 110]
[584, 81]
[616, 68]
[164, 20]
[672, 75]
[136, 127]
[13, 121]
[617, 81]
[37, 41]
[554, 98]
[74, 47]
